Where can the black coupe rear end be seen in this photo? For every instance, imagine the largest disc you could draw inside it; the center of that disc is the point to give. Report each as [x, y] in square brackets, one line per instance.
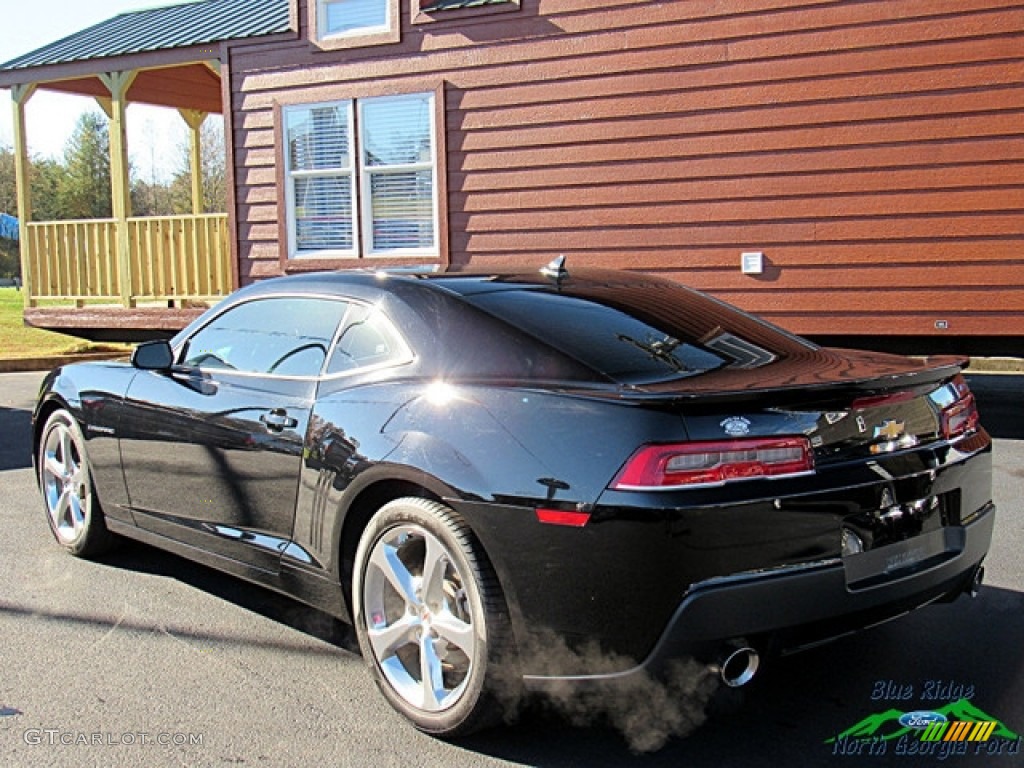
[725, 485]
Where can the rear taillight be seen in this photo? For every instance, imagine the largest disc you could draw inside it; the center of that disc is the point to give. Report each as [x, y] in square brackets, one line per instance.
[681, 465]
[961, 417]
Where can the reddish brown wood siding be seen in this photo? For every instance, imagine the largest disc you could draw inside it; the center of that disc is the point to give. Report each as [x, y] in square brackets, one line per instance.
[872, 150]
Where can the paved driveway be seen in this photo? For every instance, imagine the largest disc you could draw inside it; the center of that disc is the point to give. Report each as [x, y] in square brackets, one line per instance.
[146, 659]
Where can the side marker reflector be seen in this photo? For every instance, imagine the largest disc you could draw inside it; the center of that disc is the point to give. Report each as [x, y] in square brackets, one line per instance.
[563, 517]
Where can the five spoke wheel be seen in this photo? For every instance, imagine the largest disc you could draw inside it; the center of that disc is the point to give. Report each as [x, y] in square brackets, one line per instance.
[66, 481]
[431, 618]
[418, 617]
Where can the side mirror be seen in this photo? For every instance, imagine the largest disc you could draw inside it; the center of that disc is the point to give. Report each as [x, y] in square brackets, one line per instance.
[153, 356]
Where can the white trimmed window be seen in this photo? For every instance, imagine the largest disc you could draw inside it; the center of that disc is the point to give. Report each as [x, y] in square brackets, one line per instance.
[353, 17]
[321, 180]
[398, 168]
[361, 178]
[354, 23]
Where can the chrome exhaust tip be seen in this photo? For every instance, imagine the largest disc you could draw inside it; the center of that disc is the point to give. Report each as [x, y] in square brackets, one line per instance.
[739, 666]
[979, 577]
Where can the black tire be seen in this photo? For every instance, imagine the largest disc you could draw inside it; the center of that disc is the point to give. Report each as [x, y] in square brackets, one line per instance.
[69, 495]
[454, 630]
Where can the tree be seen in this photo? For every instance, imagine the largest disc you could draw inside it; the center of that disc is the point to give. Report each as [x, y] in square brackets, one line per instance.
[44, 177]
[84, 192]
[151, 198]
[9, 255]
[211, 137]
[8, 192]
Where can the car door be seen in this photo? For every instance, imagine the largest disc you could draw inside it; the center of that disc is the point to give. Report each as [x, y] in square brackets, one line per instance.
[212, 449]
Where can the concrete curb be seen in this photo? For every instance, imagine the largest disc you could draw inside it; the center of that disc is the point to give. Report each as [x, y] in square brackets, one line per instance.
[24, 364]
[1005, 365]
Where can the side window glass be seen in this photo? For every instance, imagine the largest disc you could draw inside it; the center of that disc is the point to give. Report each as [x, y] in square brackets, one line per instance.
[281, 336]
[368, 339]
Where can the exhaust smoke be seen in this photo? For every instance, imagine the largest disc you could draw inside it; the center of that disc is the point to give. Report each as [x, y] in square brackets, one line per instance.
[647, 711]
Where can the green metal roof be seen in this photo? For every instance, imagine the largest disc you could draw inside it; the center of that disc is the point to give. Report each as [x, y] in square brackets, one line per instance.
[157, 29]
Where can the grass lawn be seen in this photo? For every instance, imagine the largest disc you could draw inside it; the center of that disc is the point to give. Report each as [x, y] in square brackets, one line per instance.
[17, 340]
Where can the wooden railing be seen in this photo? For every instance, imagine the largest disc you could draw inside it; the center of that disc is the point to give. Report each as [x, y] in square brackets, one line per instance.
[180, 257]
[172, 258]
[72, 260]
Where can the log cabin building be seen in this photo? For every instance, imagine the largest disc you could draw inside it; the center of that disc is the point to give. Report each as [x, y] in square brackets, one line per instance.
[852, 170]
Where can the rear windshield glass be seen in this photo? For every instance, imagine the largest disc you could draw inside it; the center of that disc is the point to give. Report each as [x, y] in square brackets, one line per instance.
[669, 333]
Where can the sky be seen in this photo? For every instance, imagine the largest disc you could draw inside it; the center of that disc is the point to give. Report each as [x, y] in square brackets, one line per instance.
[154, 134]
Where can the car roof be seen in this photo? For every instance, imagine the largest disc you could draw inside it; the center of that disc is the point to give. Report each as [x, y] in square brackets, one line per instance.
[364, 283]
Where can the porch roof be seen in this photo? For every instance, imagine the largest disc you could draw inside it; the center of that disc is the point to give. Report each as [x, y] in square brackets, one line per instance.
[183, 25]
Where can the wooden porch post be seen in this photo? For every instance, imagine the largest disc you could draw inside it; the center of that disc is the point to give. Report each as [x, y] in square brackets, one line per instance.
[118, 84]
[20, 94]
[195, 119]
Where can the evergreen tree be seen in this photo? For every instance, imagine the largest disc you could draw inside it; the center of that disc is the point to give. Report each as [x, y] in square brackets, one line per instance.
[9, 255]
[84, 192]
[45, 178]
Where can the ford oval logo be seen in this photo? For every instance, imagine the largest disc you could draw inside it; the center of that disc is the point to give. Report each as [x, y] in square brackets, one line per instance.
[921, 719]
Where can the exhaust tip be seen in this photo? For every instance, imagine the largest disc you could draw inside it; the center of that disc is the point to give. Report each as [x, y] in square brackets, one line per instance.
[976, 582]
[739, 667]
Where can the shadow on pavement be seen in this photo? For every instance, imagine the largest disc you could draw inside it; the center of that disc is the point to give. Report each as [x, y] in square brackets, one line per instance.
[16, 432]
[1000, 403]
[208, 639]
[139, 557]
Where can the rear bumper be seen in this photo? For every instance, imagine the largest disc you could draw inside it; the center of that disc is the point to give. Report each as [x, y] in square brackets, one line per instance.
[793, 607]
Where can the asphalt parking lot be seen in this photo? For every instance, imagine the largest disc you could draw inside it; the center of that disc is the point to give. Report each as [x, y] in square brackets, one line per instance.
[147, 659]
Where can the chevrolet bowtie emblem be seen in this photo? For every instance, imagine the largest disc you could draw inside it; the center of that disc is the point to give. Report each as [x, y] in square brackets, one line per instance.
[891, 429]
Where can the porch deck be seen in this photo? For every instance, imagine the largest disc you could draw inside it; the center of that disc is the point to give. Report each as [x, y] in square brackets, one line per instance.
[75, 281]
[170, 258]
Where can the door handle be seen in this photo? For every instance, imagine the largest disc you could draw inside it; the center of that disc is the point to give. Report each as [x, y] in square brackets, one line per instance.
[278, 420]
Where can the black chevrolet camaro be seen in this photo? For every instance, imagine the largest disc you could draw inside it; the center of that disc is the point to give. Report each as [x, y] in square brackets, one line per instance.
[472, 468]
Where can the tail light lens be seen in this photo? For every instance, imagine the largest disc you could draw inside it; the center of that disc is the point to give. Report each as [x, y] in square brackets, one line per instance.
[682, 465]
[961, 417]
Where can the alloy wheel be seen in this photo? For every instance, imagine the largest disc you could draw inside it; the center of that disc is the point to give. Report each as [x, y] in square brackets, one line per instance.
[419, 619]
[65, 480]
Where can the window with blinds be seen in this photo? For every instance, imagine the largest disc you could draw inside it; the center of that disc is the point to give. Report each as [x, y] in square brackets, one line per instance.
[361, 178]
[321, 179]
[398, 173]
[353, 17]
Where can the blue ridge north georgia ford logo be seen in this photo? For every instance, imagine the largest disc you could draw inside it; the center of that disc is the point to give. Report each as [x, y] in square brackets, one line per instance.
[957, 728]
